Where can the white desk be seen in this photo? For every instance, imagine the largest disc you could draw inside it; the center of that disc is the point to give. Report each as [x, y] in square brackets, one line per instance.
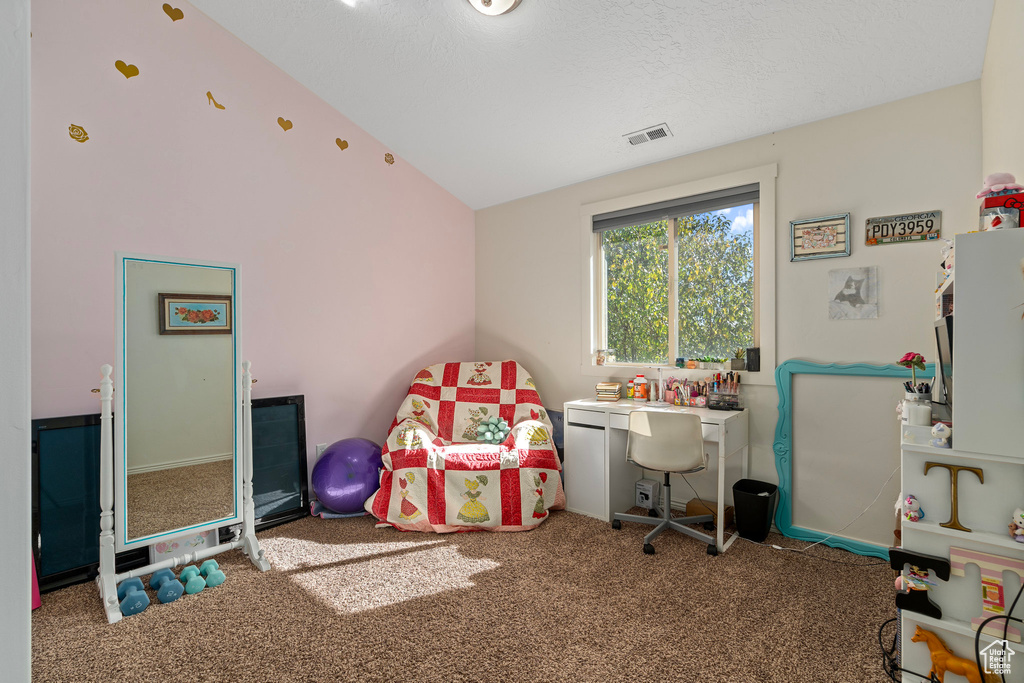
[599, 481]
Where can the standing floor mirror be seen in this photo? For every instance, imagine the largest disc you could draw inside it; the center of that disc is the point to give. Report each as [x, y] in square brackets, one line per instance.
[180, 459]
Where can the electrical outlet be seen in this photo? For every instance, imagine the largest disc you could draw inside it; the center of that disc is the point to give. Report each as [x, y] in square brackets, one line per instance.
[320, 448]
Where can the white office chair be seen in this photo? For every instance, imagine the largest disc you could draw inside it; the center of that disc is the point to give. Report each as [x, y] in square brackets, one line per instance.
[667, 442]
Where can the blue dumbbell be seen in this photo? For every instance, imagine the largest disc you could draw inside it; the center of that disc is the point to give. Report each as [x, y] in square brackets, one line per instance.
[192, 580]
[168, 588]
[132, 595]
[214, 576]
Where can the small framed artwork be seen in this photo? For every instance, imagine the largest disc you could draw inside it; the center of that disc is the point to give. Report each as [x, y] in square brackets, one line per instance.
[853, 293]
[195, 314]
[820, 237]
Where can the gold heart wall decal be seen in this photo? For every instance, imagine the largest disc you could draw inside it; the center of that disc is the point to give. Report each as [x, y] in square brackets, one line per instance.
[173, 12]
[127, 70]
[284, 123]
[343, 144]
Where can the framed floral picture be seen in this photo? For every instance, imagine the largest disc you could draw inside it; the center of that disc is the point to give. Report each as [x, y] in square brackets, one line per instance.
[195, 314]
[815, 238]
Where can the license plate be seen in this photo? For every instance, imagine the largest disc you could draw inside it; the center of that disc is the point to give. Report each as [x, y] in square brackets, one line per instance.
[909, 227]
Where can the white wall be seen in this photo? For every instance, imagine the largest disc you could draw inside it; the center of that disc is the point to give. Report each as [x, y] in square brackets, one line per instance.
[916, 154]
[1002, 99]
[180, 387]
[15, 434]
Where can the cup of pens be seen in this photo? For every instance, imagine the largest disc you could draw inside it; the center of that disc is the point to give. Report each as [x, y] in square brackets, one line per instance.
[917, 403]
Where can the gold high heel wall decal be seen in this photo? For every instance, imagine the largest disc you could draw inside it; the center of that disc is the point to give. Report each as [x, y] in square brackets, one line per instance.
[210, 100]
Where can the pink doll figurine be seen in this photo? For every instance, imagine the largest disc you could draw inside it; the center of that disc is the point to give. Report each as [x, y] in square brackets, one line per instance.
[1017, 526]
[997, 182]
[912, 511]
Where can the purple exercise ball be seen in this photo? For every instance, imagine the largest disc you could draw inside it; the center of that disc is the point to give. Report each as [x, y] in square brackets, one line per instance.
[347, 473]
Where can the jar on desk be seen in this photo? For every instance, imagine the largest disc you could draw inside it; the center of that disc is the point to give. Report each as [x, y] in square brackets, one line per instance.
[640, 389]
[917, 410]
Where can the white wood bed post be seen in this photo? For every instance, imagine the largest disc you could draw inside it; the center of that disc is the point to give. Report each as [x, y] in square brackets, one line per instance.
[106, 580]
[250, 546]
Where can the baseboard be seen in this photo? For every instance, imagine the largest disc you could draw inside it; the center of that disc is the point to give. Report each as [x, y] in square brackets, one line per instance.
[201, 460]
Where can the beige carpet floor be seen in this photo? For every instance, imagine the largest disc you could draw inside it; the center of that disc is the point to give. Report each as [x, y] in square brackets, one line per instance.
[179, 497]
[572, 600]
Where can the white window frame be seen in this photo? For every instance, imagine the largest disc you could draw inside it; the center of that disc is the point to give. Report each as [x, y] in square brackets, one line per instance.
[593, 303]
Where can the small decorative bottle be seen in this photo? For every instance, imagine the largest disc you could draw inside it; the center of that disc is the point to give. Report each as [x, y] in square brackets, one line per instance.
[640, 389]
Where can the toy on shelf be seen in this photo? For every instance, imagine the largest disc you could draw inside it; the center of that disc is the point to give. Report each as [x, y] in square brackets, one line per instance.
[1001, 201]
[1017, 526]
[998, 182]
[914, 579]
[912, 511]
[944, 660]
[941, 433]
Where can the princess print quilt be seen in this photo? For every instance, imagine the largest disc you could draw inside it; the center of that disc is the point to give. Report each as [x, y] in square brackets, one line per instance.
[440, 473]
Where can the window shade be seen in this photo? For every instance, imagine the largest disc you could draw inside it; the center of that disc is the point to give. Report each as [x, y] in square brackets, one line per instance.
[677, 208]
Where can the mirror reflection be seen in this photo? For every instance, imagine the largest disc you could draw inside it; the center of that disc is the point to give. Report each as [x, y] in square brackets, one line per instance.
[179, 379]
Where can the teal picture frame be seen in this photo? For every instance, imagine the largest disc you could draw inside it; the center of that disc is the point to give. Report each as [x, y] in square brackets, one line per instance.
[783, 445]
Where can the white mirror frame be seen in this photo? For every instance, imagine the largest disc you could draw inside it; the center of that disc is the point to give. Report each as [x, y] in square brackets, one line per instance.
[112, 488]
[122, 542]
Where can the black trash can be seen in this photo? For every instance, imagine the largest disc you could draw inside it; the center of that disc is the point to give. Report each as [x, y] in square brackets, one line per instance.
[755, 508]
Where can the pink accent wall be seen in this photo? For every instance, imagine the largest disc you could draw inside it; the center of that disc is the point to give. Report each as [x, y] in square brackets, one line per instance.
[354, 274]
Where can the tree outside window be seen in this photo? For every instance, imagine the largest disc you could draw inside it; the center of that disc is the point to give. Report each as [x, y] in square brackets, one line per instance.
[708, 301]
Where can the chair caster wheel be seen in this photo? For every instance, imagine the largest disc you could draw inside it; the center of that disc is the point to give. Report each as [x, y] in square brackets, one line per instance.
[712, 550]
[653, 513]
[709, 526]
[616, 524]
[648, 549]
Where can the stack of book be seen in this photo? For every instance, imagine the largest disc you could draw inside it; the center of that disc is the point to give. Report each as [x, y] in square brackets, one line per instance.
[609, 391]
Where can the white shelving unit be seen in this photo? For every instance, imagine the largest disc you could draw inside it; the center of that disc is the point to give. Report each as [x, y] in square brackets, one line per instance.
[988, 434]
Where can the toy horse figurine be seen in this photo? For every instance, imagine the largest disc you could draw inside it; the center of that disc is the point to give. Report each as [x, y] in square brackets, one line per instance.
[944, 660]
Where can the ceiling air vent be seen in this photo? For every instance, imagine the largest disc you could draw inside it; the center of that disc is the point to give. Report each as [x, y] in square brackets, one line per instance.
[648, 134]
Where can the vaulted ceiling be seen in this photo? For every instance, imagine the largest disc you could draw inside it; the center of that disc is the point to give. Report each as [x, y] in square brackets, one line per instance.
[497, 108]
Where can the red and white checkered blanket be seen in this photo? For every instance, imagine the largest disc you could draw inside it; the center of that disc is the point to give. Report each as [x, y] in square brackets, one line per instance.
[438, 477]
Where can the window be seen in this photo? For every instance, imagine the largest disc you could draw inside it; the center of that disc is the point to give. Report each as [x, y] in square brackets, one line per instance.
[677, 278]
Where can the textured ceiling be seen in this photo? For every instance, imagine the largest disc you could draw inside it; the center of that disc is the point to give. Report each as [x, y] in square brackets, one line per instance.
[496, 108]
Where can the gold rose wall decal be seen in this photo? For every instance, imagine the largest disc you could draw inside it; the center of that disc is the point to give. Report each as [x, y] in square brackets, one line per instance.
[389, 158]
[127, 70]
[284, 123]
[173, 12]
[77, 133]
[343, 144]
[210, 100]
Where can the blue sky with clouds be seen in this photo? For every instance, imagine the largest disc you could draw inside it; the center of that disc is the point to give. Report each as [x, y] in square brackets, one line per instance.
[742, 217]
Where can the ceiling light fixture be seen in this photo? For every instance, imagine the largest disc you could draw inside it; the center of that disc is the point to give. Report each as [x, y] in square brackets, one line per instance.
[493, 8]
